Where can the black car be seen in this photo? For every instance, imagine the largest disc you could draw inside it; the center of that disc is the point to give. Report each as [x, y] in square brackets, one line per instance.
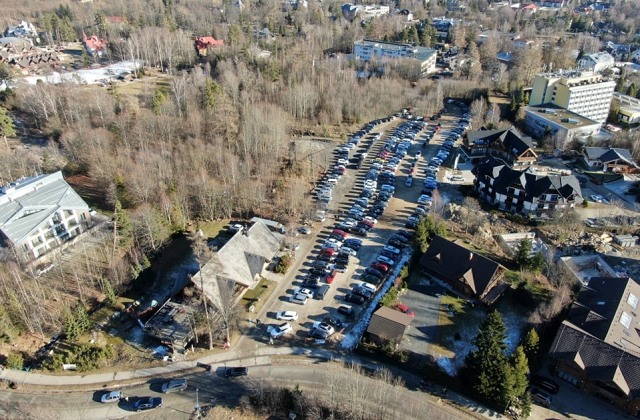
[317, 272]
[390, 255]
[353, 298]
[373, 272]
[320, 264]
[353, 245]
[318, 334]
[342, 259]
[406, 234]
[347, 311]
[545, 384]
[343, 227]
[147, 403]
[366, 193]
[360, 231]
[233, 372]
[334, 322]
[369, 278]
[540, 397]
[361, 291]
[311, 282]
[325, 258]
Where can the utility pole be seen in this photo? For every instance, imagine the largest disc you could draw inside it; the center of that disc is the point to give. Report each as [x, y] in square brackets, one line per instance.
[197, 406]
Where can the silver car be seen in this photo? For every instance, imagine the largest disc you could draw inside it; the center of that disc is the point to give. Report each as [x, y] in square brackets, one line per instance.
[174, 385]
[109, 397]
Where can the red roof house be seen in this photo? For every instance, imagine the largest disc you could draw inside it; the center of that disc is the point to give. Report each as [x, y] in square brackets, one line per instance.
[94, 44]
[204, 42]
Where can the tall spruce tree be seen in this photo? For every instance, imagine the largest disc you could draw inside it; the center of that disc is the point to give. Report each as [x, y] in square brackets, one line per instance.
[487, 369]
[530, 343]
[523, 254]
[520, 372]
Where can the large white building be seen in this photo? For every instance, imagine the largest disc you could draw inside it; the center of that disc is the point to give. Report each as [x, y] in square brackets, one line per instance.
[39, 214]
[367, 50]
[597, 62]
[583, 93]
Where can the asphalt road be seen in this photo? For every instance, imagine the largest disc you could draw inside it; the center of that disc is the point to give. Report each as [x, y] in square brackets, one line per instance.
[213, 389]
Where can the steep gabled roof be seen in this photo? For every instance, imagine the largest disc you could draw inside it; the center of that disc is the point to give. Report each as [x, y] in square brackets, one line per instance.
[601, 361]
[509, 139]
[453, 262]
[534, 185]
[29, 202]
[389, 324]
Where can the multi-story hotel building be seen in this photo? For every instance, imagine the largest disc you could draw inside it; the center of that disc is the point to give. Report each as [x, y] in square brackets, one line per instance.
[367, 50]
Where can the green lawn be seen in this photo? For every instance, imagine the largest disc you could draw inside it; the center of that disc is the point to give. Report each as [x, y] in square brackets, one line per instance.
[213, 228]
[258, 295]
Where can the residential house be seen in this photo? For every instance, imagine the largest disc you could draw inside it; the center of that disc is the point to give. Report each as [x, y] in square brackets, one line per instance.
[240, 261]
[628, 108]
[14, 45]
[37, 59]
[388, 325]
[203, 43]
[597, 347]
[39, 214]
[521, 43]
[265, 35]
[524, 191]
[509, 145]
[620, 51]
[94, 45]
[468, 273]
[609, 159]
[22, 30]
[553, 4]
[597, 62]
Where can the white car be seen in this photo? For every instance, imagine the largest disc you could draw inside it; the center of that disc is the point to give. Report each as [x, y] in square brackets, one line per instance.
[343, 162]
[332, 242]
[596, 198]
[302, 291]
[369, 286]
[287, 315]
[370, 184]
[324, 327]
[347, 250]
[371, 219]
[391, 249]
[110, 397]
[385, 260]
[279, 330]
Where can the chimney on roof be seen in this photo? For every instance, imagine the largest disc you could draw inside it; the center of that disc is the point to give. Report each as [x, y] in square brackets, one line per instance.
[470, 256]
[245, 230]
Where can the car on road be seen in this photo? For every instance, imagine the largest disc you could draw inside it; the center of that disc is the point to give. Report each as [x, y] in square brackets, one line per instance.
[391, 249]
[147, 403]
[596, 198]
[287, 315]
[405, 309]
[385, 260]
[311, 282]
[318, 334]
[409, 181]
[360, 291]
[375, 273]
[332, 321]
[425, 199]
[332, 276]
[302, 291]
[353, 298]
[174, 385]
[233, 372]
[348, 251]
[109, 397]
[279, 330]
[360, 231]
[368, 286]
[380, 266]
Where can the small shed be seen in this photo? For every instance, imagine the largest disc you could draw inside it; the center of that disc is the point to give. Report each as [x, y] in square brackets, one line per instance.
[388, 325]
[626, 241]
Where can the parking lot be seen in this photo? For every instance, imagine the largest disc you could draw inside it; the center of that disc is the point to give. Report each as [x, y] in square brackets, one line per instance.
[346, 191]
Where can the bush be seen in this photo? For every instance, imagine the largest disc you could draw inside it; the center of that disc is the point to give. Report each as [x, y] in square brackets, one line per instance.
[283, 265]
[15, 361]
[389, 299]
[85, 356]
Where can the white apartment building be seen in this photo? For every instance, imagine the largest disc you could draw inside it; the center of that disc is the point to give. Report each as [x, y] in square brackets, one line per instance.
[584, 93]
[39, 214]
[367, 50]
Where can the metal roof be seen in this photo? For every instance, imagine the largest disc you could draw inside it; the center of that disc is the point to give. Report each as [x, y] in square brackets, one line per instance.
[29, 202]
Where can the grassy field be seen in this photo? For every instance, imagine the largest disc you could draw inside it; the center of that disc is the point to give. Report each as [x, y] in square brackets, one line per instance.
[258, 295]
[213, 228]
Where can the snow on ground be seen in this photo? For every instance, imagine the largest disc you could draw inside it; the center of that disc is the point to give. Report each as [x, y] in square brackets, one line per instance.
[352, 338]
[513, 320]
[87, 76]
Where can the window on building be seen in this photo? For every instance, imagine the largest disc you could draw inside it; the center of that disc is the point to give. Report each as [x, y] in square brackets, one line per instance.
[632, 300]
[625, 320]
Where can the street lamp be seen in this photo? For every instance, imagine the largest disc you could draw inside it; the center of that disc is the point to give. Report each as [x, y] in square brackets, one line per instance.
[197, 407]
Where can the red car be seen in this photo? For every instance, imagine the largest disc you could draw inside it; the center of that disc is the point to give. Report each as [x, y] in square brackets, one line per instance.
[404, 309]
[339, 233]
[367, 222]
[331, 277]
[380, 266]
[328, 251]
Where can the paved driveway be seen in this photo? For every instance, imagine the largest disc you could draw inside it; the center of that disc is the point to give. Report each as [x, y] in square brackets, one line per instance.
[424, 300]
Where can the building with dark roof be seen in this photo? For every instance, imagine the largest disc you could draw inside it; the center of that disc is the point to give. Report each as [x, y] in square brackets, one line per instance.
[524, 191]
[597, 347]
[509, 145]
[388, 325]
[609, 159]
[471, 274]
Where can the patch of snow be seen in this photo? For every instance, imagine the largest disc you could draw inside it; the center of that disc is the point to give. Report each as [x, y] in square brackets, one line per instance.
[515, 326]
[352, 338]
[88, 76]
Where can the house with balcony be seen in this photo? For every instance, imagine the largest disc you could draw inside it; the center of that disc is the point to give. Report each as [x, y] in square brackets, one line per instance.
[508, 145]
[597, 62]
[609, 159]
[39, 214]
[597, 348]
[525, 191]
